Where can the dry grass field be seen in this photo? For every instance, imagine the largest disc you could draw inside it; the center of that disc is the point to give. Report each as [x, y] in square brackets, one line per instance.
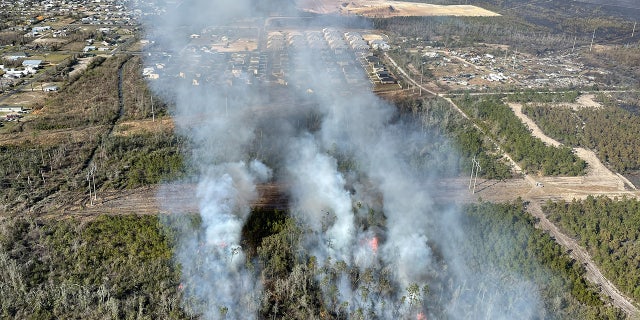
[386, 9]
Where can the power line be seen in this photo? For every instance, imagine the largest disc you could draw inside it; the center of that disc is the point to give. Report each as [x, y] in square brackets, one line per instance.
[475, 167]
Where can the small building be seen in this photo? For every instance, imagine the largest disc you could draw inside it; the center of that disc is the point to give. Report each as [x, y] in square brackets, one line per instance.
[148, 71]
[14, 74]
[89, 48]
[7, 109]
[51, 88]
[13, 117]
[431, 54]
[40, 29]
[35, 64]
[388, 80]
[15, 55]
[379, 44]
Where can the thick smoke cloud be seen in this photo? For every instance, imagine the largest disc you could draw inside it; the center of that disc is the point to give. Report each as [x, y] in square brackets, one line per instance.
[320, 200]
[243, 134]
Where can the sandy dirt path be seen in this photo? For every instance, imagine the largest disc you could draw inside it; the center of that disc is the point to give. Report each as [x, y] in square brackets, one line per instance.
[536, 190]
[593, 273]
[597, 175]
[597, 172]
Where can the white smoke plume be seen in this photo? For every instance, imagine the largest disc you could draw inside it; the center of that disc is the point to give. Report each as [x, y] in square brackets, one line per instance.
[237, 129]
[320, 200]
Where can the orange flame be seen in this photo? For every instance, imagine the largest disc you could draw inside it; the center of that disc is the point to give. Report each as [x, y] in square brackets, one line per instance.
[421, 316]
[373, 243]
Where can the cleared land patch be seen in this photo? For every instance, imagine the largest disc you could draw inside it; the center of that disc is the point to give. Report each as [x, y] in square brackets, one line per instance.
[386, 9]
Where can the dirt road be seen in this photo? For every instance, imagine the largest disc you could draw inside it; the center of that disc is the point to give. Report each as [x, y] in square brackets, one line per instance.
[597, 175]
[599, 180]
[580, 254]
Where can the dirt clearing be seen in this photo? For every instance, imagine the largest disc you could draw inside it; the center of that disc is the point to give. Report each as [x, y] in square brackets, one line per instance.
[586, 100]
[26, 98]
[133, 127]
[598, 180]
[82, 64]
[386, 9]
[238, 45]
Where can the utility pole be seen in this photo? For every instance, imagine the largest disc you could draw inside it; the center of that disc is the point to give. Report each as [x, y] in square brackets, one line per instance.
[476, 166]
[475, 182]
[91, 177]
[574, 43]
[473, 167]
[89, 180]
[592, 38]
[634, 29]
[153, 113]
[421, 73]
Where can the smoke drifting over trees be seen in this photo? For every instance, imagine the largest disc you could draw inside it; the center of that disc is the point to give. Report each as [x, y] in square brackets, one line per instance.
[297, 136]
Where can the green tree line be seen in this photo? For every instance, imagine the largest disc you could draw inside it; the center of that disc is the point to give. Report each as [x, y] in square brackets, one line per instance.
[609, 230]
[117, 267]
[611, 132]
[514, 137]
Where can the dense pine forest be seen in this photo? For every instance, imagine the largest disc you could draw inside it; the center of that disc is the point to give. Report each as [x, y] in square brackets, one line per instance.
[532, 154]
[609, 230]
[610, 131]
[122, 267]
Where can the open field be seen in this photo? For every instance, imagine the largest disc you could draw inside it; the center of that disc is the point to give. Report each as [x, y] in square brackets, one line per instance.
[127, 128]
[387, 9]
[26, 98]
